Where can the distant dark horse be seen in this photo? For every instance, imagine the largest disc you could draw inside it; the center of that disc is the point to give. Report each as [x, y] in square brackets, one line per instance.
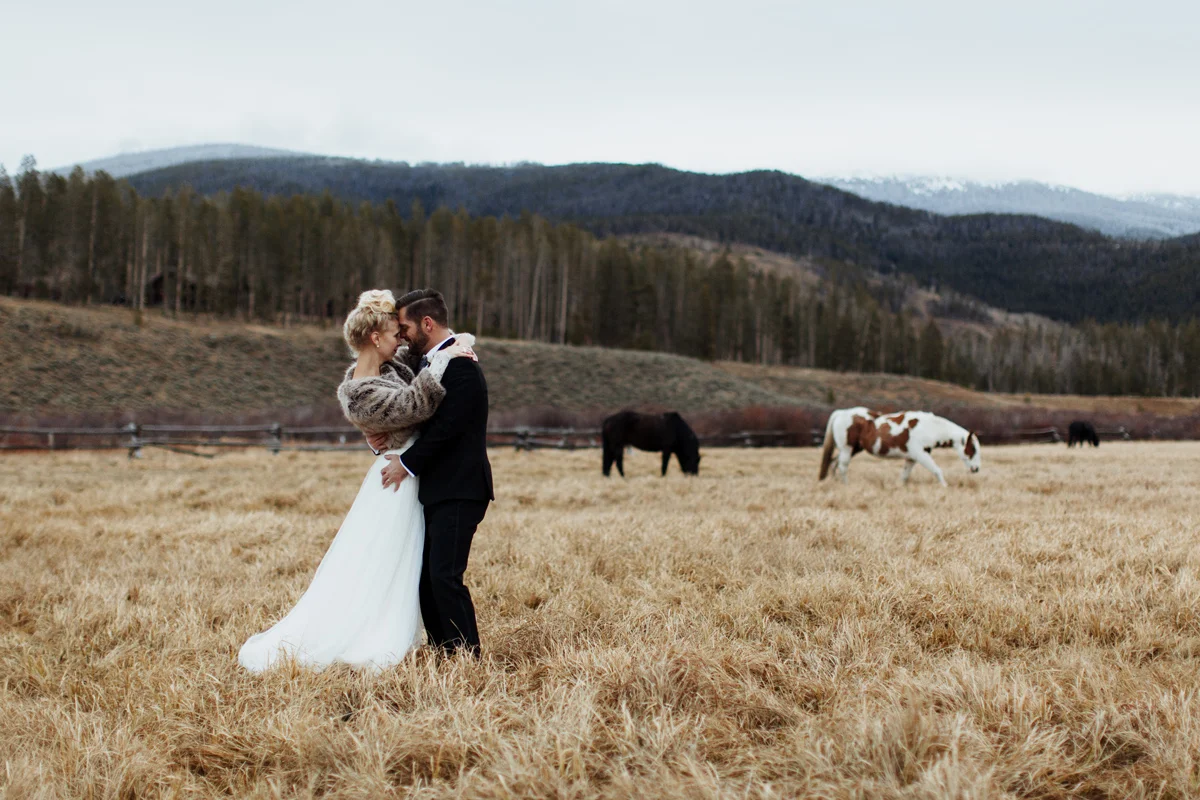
[667, 433]
[1080, 432]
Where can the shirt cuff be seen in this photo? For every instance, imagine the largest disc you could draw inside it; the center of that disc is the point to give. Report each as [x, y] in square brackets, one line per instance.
[406, 469]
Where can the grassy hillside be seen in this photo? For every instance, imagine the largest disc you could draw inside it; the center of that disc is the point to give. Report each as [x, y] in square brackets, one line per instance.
[66, 360]
[823, 387]
[62, 361]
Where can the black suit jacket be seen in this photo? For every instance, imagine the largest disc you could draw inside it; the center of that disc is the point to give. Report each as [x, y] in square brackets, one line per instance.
[450, 456]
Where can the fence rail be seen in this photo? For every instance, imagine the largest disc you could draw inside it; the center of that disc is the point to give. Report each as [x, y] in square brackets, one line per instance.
[277, 437]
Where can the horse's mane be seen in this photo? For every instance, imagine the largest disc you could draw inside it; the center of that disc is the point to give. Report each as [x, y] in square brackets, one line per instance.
[682, 429]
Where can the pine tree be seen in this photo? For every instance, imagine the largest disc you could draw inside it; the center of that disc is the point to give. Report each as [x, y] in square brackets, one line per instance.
[932, 351]
[9, 225]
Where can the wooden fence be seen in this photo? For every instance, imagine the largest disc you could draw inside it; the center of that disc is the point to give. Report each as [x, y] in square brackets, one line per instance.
[573, 438]
[1046, 435]
[133, 437]
[276, 437]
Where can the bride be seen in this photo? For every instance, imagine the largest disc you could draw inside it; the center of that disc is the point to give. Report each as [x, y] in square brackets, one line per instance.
[362, 606]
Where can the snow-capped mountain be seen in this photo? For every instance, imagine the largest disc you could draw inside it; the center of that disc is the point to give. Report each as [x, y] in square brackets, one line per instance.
[1145, 216]
[130, 163]
[1174, 202]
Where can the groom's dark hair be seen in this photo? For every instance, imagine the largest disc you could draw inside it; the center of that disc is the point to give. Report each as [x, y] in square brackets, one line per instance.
[421, 303]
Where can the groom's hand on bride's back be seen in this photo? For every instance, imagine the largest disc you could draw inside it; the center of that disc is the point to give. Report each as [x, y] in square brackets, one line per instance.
[394, 473]
[377, 441]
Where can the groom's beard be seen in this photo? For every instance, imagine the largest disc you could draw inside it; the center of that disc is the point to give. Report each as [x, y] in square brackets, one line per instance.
[419, 343]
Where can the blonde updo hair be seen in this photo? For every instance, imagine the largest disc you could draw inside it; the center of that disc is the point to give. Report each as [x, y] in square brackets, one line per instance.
[373, 311]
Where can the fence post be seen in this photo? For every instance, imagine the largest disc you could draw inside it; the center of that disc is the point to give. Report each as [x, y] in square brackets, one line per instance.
[50, 439]
[275, 438]
[135, 439]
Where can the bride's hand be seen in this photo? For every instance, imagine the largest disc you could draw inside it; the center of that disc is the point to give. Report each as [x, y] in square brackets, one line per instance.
[446, 356]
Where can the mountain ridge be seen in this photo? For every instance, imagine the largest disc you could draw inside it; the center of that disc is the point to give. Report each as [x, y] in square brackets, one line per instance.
[130, 163]
[1021, 263]
[1139, 216]
[1156, 215]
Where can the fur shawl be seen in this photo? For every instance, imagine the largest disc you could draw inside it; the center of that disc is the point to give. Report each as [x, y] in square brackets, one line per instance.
[396, 401]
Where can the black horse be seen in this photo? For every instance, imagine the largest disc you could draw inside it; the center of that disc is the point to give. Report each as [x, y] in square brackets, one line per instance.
[1081, 431]
[654, 432]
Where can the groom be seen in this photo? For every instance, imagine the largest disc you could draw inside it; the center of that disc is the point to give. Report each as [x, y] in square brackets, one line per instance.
[456, 477]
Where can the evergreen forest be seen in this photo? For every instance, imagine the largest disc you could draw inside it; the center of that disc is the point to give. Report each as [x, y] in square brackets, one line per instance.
[304, 257]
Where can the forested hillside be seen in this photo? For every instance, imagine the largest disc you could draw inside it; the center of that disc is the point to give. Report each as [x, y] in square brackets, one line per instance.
[1020, 263]
[306, 258]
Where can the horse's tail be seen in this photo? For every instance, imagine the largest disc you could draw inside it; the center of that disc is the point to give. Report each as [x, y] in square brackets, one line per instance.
[827, 452]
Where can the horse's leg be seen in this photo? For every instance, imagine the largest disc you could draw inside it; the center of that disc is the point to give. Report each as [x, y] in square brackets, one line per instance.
[926, 461]
[620, 458]
[908, 465]
[666, 461]
[843, 466]
[608, 458]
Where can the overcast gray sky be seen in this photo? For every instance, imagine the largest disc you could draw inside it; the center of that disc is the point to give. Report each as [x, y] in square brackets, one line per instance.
[1100, 95]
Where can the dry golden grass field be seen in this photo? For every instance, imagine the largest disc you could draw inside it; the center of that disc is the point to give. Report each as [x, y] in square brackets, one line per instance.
[1032, 631]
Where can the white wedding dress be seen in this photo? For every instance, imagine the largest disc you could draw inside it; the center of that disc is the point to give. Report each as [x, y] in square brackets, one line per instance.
[362, 607]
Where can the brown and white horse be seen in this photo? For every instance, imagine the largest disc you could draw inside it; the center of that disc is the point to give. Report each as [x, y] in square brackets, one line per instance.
[910, 435]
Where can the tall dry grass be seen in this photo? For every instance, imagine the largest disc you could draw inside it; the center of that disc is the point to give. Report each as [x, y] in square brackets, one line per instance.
[1030, 632]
